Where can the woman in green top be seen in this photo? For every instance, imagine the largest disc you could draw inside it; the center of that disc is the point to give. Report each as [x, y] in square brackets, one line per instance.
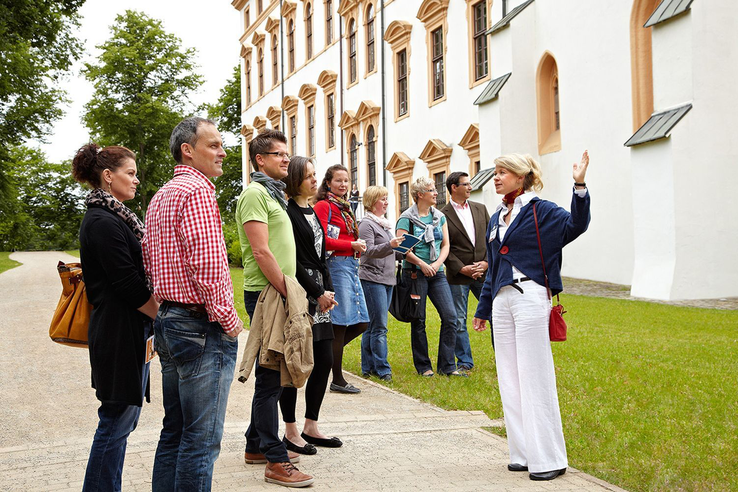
[425, 221]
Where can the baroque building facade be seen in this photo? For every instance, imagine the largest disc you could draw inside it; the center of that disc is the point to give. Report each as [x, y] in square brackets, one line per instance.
[398, 89]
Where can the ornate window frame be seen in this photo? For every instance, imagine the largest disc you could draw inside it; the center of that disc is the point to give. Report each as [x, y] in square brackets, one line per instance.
[434, 15]
[289, 106]
[328, 9]
[470, 143]
[473, 35]
[397, 35]
[350, 126]
[437, 158]
[401, 167]
[260, 124]
[307, 94]
[308, 17]
[246, 55]
[327, 81]
[289, 12]
[368, 116]
[349, 11]
[274, 115]
[370, 36]
[258, 41]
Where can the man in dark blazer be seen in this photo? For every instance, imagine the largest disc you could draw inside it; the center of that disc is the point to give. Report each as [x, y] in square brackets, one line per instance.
[466, 265]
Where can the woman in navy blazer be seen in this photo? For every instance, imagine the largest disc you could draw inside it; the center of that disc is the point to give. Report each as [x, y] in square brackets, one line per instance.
[514, 297]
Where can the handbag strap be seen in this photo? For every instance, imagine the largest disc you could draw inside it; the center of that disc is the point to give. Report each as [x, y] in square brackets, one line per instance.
[540, 251]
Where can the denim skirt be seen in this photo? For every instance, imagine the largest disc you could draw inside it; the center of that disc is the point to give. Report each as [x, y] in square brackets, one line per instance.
[351, 307]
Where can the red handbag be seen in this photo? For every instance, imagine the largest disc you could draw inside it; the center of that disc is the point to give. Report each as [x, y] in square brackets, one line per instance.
[556, 323]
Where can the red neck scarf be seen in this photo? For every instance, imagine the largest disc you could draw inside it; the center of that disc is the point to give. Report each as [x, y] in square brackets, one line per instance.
[510, 197]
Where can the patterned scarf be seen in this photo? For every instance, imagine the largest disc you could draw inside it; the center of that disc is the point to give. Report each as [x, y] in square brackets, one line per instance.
[102, 199]
[274, 187]
[348, 215]
[510, 197]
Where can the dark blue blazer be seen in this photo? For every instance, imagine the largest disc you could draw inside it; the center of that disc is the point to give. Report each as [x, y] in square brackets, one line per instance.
[520, 247]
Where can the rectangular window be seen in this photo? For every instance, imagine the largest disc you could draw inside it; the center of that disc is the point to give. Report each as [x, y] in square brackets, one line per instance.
[371, 161]
[309, 33]
[246, 19]
[352, 58]
[331, 112]
[260, 6]
[275, 68]
[437, 38]
[291, 41]
[402, 82]
[248, 84]
[293, 135]
[311, 130]
[440, 180]
[481, 66]
[370, 45]
[404, 196]
[328, 22]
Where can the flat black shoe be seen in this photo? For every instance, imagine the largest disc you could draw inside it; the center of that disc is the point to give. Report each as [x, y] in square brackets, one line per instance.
[332, 442]
[549, 475]
[349, 388]
[308, 448]
[514, 467]
[386, 377]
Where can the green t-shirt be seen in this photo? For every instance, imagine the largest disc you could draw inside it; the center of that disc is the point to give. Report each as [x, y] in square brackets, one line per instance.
[422, 249]
[255, 203]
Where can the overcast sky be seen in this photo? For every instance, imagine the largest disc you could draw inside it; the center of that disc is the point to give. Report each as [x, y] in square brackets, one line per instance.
[211, 26]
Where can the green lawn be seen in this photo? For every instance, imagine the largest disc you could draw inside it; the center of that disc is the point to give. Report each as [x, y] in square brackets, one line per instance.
[648, 392]
[73, 252]
[6, 263]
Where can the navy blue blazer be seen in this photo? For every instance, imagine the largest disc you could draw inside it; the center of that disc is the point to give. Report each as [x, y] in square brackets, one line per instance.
[520, 246]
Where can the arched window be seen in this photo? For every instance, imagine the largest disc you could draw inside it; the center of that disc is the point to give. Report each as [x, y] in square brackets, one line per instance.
[352, 51]
[248, 83]
[328, 22]
[641, 61]
[370, 63]
[261, 72]
[291, 45]
[549, 116]
[371, 156]
[354, 161]
[275, 70]
[309, 31]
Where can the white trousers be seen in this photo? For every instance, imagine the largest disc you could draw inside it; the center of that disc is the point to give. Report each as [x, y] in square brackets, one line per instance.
[525, 371]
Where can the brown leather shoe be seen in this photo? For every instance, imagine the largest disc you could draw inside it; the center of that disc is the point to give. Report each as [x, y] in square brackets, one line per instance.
[287, 475]
[260, 459]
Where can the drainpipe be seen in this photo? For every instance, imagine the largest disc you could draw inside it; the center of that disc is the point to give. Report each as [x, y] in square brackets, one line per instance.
[504, 8]
[281, 66]
[340, 80]
[384, 96]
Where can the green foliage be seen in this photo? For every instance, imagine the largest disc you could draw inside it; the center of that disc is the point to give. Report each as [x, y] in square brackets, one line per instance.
[6, 263]
[36, 49]
[647, 391]
[226, 112]
[233, 244]
[46, 206]
[143, 80]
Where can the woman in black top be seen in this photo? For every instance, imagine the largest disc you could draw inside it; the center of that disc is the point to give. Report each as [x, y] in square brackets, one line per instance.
[313, 276]
[123, 307]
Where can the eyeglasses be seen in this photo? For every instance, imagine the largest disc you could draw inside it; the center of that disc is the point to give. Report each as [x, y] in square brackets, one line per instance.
[281, 155]
[433, 190]
[467, 184]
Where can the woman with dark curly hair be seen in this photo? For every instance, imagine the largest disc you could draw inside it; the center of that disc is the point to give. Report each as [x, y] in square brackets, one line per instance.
[123, 307]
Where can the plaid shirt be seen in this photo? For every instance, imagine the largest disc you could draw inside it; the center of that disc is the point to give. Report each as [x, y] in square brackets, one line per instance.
[183, 249]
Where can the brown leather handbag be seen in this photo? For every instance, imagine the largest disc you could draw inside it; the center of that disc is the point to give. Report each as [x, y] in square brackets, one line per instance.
[72, 316]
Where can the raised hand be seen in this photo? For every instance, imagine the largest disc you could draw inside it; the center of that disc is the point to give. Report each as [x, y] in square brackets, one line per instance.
[580, 170]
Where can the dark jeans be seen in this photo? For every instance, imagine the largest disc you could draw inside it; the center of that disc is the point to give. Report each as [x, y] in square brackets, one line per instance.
[197, 364]
[262, 436]
[437, 290]
[105, 465]
[460, 294]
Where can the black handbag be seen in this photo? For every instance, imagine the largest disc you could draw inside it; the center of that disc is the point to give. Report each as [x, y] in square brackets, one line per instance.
[405, 303]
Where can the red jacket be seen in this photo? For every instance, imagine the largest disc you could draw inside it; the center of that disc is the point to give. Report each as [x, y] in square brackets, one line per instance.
[342, 245]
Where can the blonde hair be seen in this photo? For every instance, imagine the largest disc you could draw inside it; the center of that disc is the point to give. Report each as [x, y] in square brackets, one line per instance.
[523, 165]
[372, 195]
[420, 186]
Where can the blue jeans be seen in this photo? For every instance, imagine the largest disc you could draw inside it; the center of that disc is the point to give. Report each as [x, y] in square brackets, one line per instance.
[105, 465]
[436, 289]
[460, 294]
[262, 436]
[197, 364]
[374, 339]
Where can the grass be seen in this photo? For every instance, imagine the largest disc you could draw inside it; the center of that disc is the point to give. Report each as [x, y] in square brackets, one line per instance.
[6, 263]
[73, 252]
[648, 392]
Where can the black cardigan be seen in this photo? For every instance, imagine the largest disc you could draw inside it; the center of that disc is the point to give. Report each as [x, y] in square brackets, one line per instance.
[306, 255]
[116, 286]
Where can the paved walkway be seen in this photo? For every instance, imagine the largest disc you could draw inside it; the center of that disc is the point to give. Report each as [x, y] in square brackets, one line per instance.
[391, 442]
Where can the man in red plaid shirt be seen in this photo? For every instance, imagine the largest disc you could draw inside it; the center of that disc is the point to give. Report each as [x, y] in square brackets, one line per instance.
[197, 324]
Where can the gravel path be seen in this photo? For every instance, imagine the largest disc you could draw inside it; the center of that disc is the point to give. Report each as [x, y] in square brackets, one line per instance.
[391, 441]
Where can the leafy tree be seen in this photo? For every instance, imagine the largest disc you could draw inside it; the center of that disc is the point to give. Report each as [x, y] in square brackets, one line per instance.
[37, 48]
[227, 114]
[143, 81]
[47, 205]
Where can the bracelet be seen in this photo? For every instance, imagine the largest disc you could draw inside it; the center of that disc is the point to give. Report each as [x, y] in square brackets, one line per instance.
[580, 184]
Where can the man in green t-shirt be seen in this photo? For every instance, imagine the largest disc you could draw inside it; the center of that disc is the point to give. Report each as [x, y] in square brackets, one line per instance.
[268, 254]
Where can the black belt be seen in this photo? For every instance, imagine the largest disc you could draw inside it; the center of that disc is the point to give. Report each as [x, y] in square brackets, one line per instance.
[517, 281]
[198, 308]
